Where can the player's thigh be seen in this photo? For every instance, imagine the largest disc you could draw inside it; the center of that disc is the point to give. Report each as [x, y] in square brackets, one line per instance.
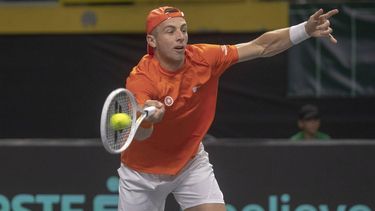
[207, 207]
[198, 185]
[139, 192]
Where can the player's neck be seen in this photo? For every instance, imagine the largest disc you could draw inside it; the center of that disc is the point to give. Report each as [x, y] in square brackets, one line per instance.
[170, 65]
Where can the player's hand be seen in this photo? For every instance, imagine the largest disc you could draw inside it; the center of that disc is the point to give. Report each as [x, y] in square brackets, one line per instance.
[159, 113]
[318, 24]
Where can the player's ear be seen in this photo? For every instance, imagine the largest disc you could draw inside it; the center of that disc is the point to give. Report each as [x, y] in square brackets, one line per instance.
[151, 40]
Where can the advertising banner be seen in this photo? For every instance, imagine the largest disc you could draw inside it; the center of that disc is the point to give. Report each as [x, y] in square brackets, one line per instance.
[277, 176]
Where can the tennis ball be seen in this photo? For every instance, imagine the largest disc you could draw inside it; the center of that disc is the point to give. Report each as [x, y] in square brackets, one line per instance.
[120, 121]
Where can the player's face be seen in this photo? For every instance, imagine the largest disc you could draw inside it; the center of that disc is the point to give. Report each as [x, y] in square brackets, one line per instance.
[171, 38]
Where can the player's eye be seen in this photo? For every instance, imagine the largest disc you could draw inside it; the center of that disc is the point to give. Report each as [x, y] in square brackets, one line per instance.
[169, 30]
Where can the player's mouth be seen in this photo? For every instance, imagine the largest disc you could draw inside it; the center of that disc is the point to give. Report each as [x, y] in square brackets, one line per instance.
[180, 48]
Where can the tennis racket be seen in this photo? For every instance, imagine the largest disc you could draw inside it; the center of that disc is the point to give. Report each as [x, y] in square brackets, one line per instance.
[121, 101]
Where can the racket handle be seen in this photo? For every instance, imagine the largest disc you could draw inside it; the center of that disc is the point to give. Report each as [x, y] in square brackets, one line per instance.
[149, 110]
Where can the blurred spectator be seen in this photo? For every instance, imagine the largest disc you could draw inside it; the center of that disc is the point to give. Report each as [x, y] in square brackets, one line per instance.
[309, 124]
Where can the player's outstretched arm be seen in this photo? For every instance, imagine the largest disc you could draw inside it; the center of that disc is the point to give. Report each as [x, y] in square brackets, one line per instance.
[274, 42]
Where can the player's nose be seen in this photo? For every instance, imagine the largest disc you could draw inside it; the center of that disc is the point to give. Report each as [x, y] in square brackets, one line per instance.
[180, 35]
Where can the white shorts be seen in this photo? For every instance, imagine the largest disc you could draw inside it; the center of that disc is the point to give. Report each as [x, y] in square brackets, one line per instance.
[194, 185]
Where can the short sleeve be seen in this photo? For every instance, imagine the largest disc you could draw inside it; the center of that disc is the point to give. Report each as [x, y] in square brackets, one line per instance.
[220, 57]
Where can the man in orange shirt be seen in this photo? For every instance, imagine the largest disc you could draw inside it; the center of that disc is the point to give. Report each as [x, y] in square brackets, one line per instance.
[181, 80]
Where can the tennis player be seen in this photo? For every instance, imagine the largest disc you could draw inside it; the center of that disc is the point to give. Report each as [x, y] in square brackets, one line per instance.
[181, 80]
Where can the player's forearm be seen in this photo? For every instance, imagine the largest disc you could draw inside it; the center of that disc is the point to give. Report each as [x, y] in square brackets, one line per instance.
[266, 45]
[147, 127]
[273, 42]
[143, 133]
[277, 41]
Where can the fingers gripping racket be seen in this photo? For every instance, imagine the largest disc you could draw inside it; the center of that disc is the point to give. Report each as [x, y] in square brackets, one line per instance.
[121, 101]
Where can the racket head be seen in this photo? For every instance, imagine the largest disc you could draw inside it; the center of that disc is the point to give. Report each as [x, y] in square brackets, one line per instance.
[118, 101]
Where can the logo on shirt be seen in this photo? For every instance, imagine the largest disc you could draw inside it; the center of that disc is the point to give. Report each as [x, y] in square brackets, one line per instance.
[224, 49]
[168, 101]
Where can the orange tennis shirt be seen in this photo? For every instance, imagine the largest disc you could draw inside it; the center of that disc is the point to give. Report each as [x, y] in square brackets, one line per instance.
[189, 95]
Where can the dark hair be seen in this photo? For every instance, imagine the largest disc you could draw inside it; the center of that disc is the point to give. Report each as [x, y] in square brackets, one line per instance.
[308, 112]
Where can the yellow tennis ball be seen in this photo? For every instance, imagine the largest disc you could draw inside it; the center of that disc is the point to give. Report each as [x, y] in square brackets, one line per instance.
[120, 121]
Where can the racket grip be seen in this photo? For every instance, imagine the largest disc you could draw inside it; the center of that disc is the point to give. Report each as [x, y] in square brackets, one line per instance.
[149, 110]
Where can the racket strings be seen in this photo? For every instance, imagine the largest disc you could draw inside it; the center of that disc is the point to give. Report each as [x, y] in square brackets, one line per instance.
[120, 104]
